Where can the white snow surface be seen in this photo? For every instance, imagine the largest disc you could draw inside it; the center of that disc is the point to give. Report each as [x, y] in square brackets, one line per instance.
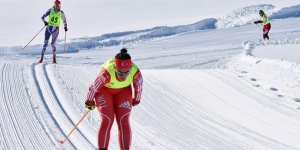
[288, 52]
[203, 89]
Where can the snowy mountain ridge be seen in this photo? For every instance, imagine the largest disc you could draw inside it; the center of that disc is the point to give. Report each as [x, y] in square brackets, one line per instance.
[244, 16]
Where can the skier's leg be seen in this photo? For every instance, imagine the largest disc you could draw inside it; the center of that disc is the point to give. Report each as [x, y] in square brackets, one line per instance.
[123, 105]
[55, 34]
[265, 36]
[104, 103]
[47, 36]
[266, 30]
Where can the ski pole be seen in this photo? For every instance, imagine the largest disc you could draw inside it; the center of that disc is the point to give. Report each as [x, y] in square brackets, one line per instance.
[65, 42]
[63, 141]
[258, 26]
[33, 38]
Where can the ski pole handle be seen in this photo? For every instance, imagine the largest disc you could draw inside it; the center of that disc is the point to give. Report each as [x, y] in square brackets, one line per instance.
[63, 141]
[33, 38]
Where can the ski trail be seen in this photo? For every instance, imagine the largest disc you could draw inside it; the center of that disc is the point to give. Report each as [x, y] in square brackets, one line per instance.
[57, 129]
[68, 103]
[20, 127]
[218, 113]
[64, 122]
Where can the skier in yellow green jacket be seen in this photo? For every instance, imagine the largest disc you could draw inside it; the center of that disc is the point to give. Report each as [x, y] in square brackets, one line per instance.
[55, 15]
[265, 20]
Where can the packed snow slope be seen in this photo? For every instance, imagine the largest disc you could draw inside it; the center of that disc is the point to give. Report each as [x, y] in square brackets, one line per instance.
[201, 91]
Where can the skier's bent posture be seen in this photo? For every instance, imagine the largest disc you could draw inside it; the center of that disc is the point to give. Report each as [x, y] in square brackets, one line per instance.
[54, 14]
[111, 93]
[265, 20]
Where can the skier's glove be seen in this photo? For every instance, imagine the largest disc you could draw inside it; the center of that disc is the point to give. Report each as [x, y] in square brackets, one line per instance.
[66, 28]
[89, 104]
[46, 23]
[259, 21]
[134, 103]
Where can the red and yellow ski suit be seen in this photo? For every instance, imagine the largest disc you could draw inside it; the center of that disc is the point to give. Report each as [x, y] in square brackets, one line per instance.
[114, 99]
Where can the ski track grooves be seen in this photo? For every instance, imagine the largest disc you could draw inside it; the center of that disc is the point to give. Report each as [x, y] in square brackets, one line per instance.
[46, 94]
[16, 120]
[34, 72]
[55, 108]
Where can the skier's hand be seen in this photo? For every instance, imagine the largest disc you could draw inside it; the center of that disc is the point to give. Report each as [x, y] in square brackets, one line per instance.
[259, 21]
[46, 23]
[134, 103]
[90, 104]
[66, 28]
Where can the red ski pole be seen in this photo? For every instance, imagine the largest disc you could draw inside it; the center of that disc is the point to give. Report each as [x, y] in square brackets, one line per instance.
[63, 141]
[33, 38]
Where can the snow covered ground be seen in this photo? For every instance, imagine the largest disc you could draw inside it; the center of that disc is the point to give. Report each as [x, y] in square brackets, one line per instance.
[200, 89]
[288, 52]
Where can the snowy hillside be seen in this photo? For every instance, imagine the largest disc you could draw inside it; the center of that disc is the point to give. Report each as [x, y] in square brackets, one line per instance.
[234, 18]
[209, 85]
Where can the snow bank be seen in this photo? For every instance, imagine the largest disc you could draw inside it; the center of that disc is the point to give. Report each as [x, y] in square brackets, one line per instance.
[115, 39]
[250, 46]
[280, 77]
[168, 31]
[250, 13]
[234, 18]
[287, 12]
[274, 66]
[124, 38]
[278, 49]
[243, 16]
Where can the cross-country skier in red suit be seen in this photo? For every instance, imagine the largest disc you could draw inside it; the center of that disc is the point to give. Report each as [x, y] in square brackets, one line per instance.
[111, 94]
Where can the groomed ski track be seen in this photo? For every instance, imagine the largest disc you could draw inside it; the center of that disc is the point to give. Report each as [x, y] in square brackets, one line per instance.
[19, 111]
[177, 107]
[54, 104]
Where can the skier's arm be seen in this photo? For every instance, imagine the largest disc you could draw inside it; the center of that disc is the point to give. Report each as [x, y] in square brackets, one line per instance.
[63, 17]
[45, 15]
[138, 87]
[258, 21]
[100, 81]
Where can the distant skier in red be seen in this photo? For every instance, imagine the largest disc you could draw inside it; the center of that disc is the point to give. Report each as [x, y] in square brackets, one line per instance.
[111, 93]
[265, 20]
[55, 14]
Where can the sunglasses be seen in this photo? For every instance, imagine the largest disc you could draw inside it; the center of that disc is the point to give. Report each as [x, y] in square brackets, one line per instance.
[122, 73]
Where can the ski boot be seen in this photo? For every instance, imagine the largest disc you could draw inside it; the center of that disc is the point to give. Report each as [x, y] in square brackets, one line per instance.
[41, 60]
[54, 58]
